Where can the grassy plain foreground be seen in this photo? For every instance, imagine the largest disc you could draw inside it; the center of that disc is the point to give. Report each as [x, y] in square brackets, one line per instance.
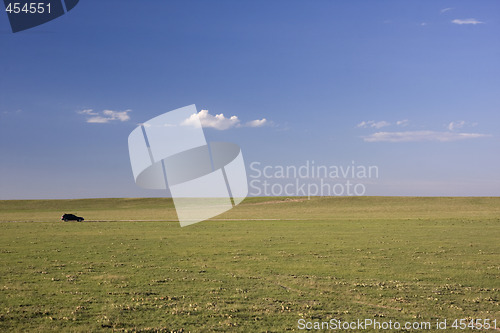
[259, 267]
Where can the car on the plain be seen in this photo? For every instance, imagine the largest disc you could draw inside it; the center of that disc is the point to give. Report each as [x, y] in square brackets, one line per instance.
[71, 217]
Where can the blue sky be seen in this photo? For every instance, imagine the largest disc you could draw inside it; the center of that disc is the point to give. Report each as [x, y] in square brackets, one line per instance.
[411, 87]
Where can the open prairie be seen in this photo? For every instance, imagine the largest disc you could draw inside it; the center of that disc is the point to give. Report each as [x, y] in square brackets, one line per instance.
[263, 266]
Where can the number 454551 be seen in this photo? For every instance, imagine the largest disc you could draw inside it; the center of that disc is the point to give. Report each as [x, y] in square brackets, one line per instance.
[478, 324]
[28, 8]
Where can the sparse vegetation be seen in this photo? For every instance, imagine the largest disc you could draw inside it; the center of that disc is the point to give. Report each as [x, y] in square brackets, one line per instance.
[259, 267]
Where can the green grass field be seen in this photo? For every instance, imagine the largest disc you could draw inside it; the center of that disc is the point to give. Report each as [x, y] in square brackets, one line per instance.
[259, 267]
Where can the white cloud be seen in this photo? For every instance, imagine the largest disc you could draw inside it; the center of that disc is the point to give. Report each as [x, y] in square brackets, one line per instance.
[98, 120]
[88, 112]
[220, 122]
[444, 10]
[456, 125]
[117, 115]
[423, 24]
[467, 21]
[373, 124]
[403, 122]
[380, 124]
[105, 116]
[419, 136]
[257, 123]
[12, 112]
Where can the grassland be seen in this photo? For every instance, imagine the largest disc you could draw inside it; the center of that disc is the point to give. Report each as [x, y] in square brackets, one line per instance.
[259, 267]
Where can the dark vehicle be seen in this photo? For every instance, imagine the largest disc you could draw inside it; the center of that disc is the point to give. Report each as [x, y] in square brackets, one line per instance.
[71, 217]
